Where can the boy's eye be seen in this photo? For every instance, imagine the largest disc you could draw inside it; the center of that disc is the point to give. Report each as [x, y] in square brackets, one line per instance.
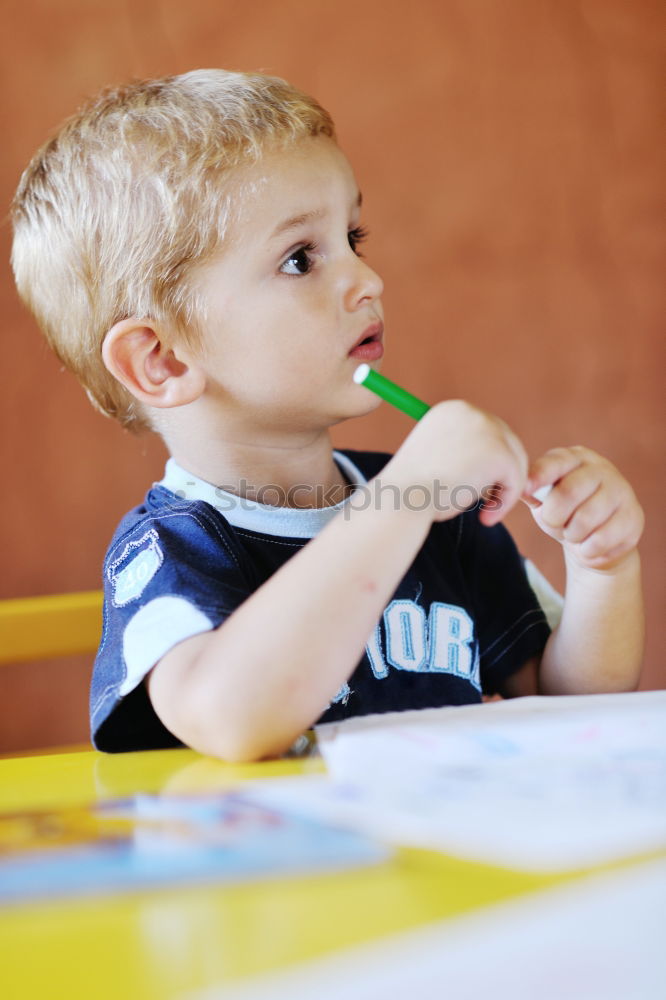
[299, 261]
[356, 236]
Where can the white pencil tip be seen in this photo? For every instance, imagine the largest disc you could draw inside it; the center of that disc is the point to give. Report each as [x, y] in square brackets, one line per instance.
[361, 374]
[542, 493]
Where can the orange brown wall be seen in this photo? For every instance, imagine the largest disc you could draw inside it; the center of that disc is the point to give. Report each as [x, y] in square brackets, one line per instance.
[508, 153]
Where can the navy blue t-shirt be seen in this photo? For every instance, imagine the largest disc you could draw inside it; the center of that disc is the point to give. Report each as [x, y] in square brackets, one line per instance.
[462, 619]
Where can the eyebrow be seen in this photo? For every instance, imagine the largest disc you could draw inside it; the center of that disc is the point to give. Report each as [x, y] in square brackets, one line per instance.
[298, 220]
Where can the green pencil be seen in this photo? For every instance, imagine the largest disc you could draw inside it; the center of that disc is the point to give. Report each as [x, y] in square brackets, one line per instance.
[389, 391]
[411, 405]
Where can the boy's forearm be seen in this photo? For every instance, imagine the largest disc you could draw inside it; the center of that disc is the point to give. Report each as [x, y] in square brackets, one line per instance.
[598, 645]
[273, 667]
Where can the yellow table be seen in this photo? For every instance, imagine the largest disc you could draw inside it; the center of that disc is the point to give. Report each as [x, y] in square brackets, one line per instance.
[165, 943]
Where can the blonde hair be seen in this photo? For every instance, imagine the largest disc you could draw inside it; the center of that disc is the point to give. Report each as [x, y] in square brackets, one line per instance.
[114, 212]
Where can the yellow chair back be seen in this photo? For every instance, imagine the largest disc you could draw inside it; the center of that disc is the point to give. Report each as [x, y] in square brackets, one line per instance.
[38, 628]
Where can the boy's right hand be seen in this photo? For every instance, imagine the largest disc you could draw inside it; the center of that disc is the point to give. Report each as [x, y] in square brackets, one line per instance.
[458, 454]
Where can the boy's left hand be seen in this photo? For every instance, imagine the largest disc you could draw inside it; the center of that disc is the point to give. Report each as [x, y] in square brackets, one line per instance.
[591, 508]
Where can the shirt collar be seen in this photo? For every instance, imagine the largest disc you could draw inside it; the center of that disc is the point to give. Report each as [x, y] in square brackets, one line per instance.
[287, 522]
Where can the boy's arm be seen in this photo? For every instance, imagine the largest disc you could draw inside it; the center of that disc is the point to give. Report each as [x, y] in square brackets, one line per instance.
[598, 645]
[593, 512]
[247, 689]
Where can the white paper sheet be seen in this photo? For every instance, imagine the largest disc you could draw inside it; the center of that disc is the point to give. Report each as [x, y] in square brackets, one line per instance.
[540, 784]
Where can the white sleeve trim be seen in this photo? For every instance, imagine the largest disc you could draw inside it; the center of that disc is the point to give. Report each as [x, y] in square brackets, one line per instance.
[155, 629]
[550, 600]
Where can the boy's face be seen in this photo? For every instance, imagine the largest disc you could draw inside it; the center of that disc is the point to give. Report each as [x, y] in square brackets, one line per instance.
[288, 299]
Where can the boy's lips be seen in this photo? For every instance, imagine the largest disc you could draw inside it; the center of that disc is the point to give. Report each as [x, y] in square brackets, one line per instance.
[369, 345]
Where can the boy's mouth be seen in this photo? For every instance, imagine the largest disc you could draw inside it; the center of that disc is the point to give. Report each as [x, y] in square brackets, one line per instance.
[369, 345]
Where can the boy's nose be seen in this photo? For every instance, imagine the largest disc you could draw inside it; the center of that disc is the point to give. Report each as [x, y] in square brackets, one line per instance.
[364, 284]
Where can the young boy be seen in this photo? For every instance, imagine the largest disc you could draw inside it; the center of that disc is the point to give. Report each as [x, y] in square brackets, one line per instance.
[190, 247]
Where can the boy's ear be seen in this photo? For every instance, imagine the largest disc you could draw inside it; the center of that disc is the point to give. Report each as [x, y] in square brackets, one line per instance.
[135, 354]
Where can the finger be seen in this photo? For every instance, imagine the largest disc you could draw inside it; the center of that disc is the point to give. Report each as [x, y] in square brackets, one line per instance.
[511, 468]
[611, 536]
[495, 506]
[512, 486]
[517, 449]
[502, 497]
[590, 515]
[569, 493]
[609, 559]
[552, 466]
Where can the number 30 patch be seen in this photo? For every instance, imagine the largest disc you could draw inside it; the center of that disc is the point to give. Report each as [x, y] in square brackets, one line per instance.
[137, 564]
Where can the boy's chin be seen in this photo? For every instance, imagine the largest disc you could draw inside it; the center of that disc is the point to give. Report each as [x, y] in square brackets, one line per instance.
[359, 409]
